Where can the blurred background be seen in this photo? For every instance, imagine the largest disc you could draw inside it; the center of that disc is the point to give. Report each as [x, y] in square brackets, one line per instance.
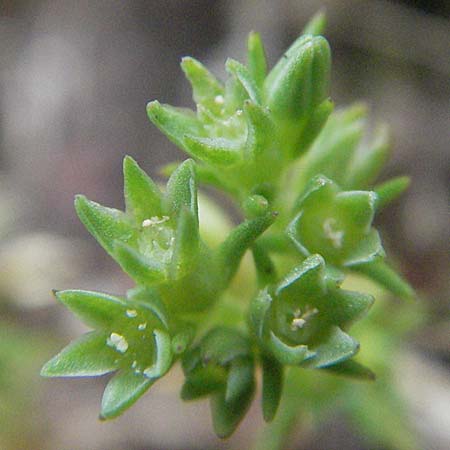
[75, 77]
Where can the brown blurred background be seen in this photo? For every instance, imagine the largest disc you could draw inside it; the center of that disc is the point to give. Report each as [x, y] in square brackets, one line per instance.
[75, 77]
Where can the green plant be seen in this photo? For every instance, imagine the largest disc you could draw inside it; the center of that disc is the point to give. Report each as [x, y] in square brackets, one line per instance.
[302, 180]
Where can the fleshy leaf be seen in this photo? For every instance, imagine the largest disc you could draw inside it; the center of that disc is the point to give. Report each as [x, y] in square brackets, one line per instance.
[335, 348]
[105, 224]
[352, 369]
[175, 123]
[139, 267]
[203, 382]
[227, 415]
[163, 359]
[182, 190]
[272, 387]
[122, 391]
[380, 272]
[316, 25]
[206, 88]
[256, 58]
[142, 196]
[220, 151]
[291, 355]
[93, 308]
[260, 130]
[186, 244]
[240, 379]
[86, 357]
[390, 190]
[248, 83]
[368, 250]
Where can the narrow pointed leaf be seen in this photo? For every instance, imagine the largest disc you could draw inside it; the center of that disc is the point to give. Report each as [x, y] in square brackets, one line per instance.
[259, 307]
[272, 387]
[358, 207]
[368, 250]
[242, 74]
[181, 190]
[240, 380]
[175, 123]
[105, 224]
[314, 126]
[186, 245]
[260, 130]
[265, 268]
[347, 307]
[142, 196]
[368, 162]
[335, 348]
[95, 309]
[163, 351]
[290, 355]
[306, 278]
[88, 356]
[139, 267]
[227, 415]
[239, 240]
[220, 151]
[380, 272]
[122, 391]
[206, 88]
[256, 59]
[390, 190]
[352, 369]
[299, 82]
[316, 25]
[204, 382]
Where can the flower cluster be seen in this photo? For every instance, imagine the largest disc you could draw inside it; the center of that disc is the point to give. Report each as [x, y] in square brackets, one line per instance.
[301, 176]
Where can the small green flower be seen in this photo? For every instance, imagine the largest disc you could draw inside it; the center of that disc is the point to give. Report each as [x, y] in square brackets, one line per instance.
[301, 319]
[221, 366]
[336, 224]
[156, 239]
[131, 338]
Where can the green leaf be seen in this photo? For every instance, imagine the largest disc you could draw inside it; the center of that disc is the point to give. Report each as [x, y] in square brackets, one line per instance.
[88, 356]
[299, 82]
[316, 25]
[122, 391]
[216, 151]
[240, 379]
[142, 196]
[239, 240]
[352, 369]
[105, 224]
[227, 415]
[163, 361]
[368, 250]
[256, 59]
[346, 307]
[358, 207]
[368, 163]
[206, 88]
[307, 278]
[335, 348]
[290, 355]
[186, 247]
[265, 268]
[181, 190]
[272, 386]
[390, 190]
[93, 308]
[175, 123]
[259, 307]
[139, 267]
[241, 73]
[260, 130]
[314, 126]
[384, 275]
[203, 382]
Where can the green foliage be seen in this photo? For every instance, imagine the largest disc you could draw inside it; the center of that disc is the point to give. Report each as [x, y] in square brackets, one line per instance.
[302, 177]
